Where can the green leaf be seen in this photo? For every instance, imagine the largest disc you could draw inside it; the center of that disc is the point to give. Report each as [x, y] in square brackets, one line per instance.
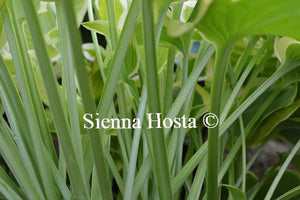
[235, 193]
[281, 45]
[289, 130]
[38, 78]
[12, 156]
[80, 10]
[100, 26]
[252, 180]
[295, 161]
[103, 9]
[9, 182]
[166, 40]
[131, 61]
[119, 10]
[290, 194]
[162, 55]
[226, 21]
[55, 100]
[271, 122]
[97, 83]
[159, 152]
[177, 28]
[160, 5]
[268, 103]
[292, 62]
[52, 37]
[47, 18]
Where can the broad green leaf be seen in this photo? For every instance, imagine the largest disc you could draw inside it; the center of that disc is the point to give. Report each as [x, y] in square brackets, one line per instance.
[167, 40]
[235, 193]
[290, 194]
[226, 20]
[289, 131]
[251, 179]
[100, 26]
[290, 66]
[103, 9]
[289, 180]
[271, 122]
[293, 56]
[284, 99]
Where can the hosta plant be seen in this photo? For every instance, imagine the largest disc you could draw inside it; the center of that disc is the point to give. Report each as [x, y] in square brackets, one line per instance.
[236, 59]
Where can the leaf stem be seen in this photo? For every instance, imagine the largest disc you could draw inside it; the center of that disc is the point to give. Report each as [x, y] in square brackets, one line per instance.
[213, 133]
[159, 147]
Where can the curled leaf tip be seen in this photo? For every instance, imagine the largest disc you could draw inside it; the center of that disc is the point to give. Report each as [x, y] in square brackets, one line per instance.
[281, 45]
[176, 28]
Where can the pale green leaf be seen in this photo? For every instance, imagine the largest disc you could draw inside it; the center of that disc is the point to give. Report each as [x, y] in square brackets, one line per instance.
[103, 9]
[52, 37]
[281, 45]
[80, 10]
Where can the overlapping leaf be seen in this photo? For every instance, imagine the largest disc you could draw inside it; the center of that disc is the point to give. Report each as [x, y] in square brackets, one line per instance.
[227, 20]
